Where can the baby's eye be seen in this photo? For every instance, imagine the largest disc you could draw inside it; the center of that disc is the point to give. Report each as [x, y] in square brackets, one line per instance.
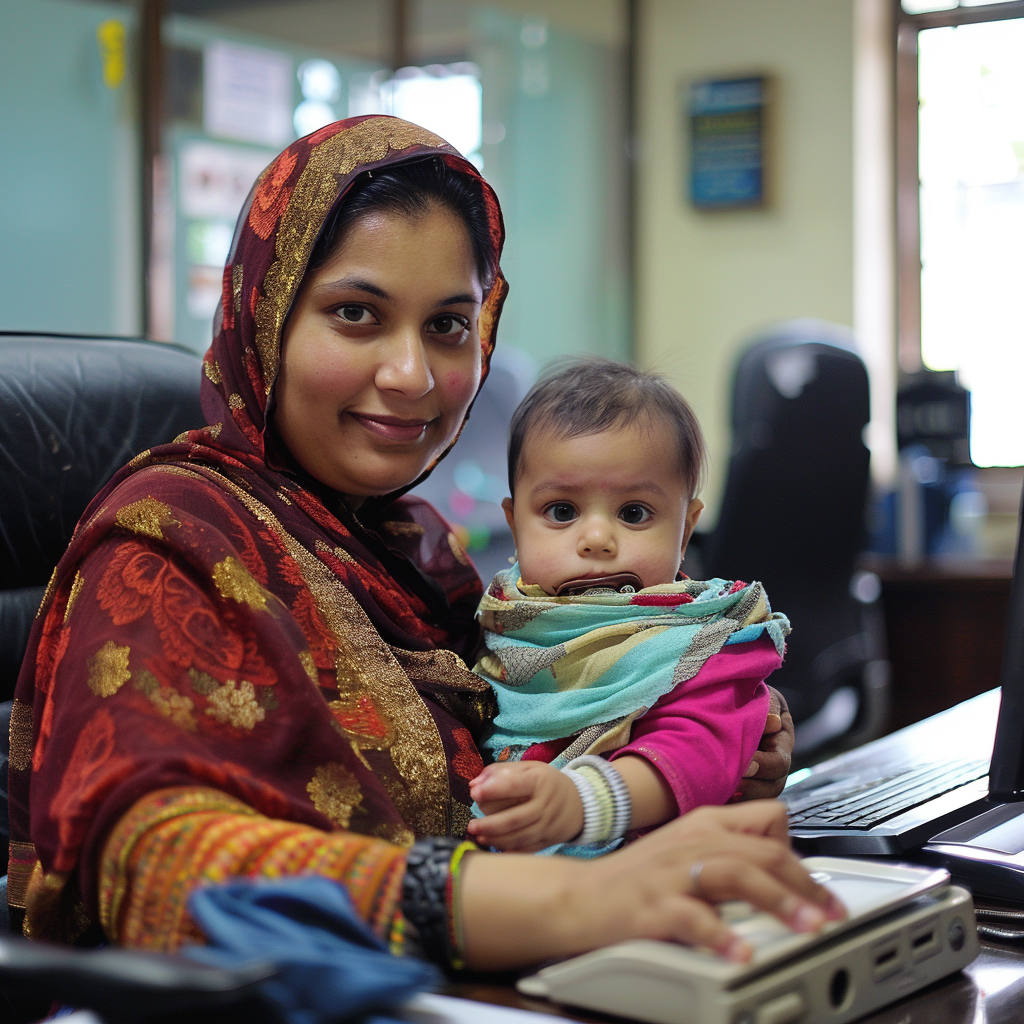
[354, 314]
[634, 514]
[560, 512]
[449, 326]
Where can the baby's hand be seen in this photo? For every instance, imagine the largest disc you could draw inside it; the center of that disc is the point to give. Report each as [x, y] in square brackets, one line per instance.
[529, 805]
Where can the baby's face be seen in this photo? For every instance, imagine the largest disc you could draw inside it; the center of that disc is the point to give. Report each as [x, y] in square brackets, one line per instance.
[601, 504]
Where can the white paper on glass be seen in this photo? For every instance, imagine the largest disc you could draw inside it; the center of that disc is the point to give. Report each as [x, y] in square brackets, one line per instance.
[214, 179]
[247, 94]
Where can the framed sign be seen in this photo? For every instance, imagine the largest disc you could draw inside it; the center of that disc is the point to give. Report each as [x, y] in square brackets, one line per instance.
[727, 125]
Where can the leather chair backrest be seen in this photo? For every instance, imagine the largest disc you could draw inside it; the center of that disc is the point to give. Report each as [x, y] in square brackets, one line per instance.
[72, 412]
[793, 509]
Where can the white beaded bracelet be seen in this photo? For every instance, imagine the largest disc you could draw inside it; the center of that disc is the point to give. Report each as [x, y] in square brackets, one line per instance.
[591, 808]
[623, 804]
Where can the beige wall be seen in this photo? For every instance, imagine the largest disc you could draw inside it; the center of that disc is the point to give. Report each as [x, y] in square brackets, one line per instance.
[708, 281]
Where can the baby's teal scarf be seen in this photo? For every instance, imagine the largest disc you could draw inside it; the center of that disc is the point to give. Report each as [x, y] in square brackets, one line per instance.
[561, 665]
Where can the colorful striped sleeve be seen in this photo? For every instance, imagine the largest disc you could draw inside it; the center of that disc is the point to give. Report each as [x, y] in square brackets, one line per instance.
[174, 840]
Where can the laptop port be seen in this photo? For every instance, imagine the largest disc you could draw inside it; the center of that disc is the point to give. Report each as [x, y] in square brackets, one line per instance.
[887, 961]
[923, 944]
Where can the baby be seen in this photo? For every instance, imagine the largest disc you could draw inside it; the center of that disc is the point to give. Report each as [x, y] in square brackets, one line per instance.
[627, 693]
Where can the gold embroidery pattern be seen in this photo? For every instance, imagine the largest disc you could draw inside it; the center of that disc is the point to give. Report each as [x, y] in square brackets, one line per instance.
[236, 704]
[108, 669]
[236, 288]
[440, 667]
[54, 910]
[202, 682]
[21, 736]
[140, 458]
[76, 589]
[22, 864]
[235, 400]
[392, 832]
[458, 550]
[214, 430]
[460, 815]
[399, 529]
[313, 196]
[335, 793]
[306, 657]
[235, 583]
[212, 370]
[171, 704]
[145, 517]
[366, 663]
[339, 552]
[48, 593]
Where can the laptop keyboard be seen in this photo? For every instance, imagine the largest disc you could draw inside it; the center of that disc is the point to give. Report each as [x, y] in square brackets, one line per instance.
[870, 801]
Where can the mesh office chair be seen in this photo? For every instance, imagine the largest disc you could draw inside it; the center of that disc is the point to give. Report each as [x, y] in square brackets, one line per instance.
[793, 517]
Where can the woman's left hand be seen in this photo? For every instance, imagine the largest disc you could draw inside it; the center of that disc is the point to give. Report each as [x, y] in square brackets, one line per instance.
[766, 776]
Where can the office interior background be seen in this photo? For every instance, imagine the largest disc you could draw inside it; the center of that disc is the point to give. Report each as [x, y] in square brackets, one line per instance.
[893, 200]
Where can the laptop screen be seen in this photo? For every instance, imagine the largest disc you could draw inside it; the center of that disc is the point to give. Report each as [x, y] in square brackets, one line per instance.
[1006, 774]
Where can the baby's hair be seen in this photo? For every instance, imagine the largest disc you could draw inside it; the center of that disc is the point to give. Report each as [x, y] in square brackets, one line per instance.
[588, 396]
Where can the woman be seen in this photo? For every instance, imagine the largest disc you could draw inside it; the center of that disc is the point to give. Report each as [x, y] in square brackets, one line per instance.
[251, 661]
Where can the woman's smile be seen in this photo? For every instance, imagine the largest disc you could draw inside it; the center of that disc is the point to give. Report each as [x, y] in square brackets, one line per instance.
[392, 428]
[381, 354]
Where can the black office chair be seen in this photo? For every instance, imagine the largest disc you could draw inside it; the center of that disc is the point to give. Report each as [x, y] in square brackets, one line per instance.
[73, 410]
[793, 517]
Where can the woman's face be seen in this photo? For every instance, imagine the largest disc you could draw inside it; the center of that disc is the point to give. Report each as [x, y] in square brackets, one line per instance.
[381, 353]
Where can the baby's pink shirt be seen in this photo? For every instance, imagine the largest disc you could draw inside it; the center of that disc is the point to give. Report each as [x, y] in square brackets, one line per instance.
[702, 734]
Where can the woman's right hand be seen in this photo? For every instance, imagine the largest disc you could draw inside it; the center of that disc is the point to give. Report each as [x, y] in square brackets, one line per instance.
[519, 910]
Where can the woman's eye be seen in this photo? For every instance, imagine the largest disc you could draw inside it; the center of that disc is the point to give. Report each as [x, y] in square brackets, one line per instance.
[634, 514]
[560, 512]
[449, 326]
[354, 314]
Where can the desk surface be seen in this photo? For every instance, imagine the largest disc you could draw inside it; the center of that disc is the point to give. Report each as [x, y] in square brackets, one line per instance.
[991, 990]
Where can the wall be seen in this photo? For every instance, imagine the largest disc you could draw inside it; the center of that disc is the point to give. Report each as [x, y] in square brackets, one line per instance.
[69, 209]
[708, 281]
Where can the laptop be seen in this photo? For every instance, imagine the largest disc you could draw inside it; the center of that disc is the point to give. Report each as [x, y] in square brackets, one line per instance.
[948, 790]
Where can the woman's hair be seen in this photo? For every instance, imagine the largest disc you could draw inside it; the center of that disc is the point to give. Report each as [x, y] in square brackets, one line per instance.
[411, 190]
[589, 396]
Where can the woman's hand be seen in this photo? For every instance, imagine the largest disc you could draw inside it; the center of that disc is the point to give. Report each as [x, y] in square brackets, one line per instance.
[765, 778]
[518, 910]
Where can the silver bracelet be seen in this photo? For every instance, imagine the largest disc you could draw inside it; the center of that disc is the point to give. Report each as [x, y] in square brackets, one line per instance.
[623, 804]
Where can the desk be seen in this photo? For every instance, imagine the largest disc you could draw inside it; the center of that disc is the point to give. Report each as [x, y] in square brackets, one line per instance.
[945, 623]
[990, 991]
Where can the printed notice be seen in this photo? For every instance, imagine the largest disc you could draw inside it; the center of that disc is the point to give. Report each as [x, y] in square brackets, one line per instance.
[727, 143]
[247, 94]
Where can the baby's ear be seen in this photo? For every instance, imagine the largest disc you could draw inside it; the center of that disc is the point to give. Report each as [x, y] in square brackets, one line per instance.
[508, 508]
[693, 511]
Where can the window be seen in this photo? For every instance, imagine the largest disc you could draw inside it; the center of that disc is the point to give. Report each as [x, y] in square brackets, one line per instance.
[960, 154]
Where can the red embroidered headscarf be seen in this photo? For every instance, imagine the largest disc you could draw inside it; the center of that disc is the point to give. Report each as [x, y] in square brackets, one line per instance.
[276, 233]
[222, 621]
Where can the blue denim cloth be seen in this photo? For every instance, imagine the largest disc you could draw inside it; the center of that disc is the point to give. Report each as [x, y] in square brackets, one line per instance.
[332, 966]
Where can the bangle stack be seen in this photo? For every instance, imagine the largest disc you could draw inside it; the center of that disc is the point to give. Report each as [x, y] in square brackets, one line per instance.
[607, 807]
[431, 899]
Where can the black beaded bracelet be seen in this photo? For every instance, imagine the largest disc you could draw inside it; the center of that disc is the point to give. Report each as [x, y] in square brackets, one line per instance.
[425, 894]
